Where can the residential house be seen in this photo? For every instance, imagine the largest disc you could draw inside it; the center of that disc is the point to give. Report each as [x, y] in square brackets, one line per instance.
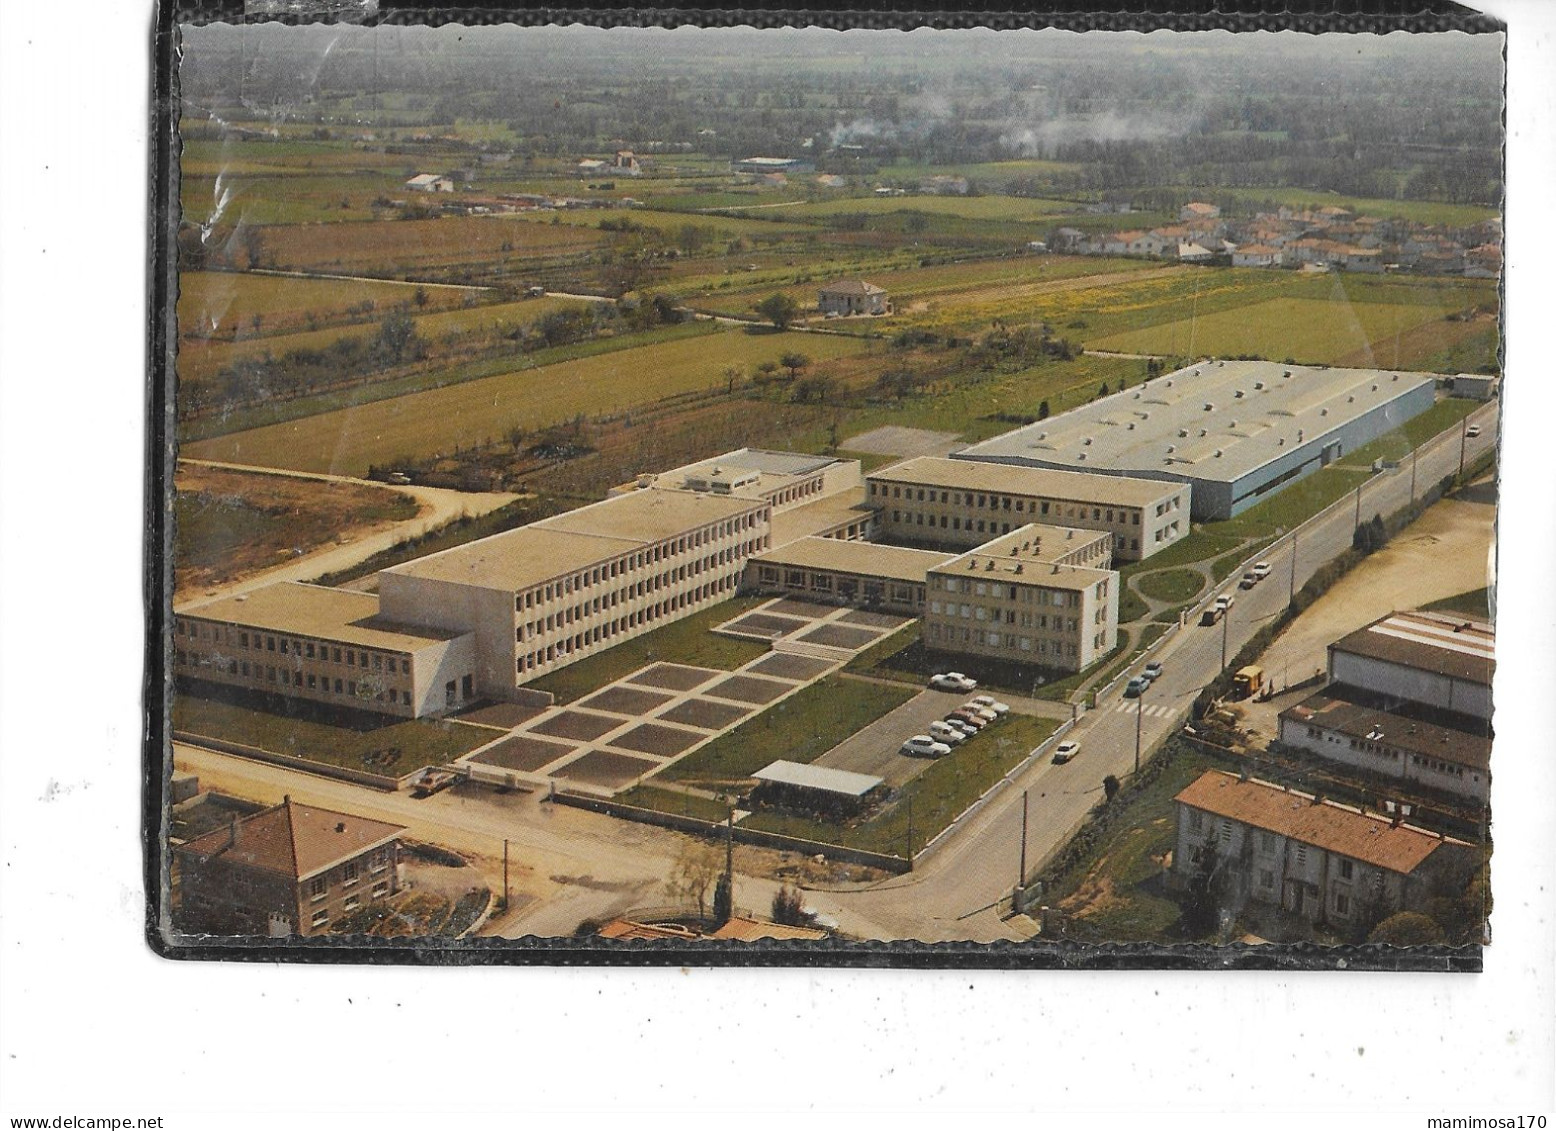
[1256, 255]
[1321, 861]
[854, 296]
[430, 182]
[1198, 210]
[292, 869]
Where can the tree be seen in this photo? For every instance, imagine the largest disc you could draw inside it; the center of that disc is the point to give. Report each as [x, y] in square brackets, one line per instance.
[1102, 392]
[1042, 411]
[1407, 928]
[397, 337]
[1202, 900]
[421, 296]
[723, 899]
[1110, 787]
[732, 376]
[696, 867]
[818, 386]
[779, 309]
[794, 362]
[788, 907]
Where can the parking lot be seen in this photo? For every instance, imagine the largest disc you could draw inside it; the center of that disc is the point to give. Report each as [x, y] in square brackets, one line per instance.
[876, 749]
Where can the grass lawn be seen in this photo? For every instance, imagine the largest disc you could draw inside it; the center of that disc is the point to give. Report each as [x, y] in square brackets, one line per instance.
[1175, 585]
[1114, 891]
[435, 421]
[1131, 606]
[674, 801]
[211, 302]
[1476, 603]
[1413, 433]
[687, 641]
[799, 729]
[399, 247]
[935, 798]
[374, 743]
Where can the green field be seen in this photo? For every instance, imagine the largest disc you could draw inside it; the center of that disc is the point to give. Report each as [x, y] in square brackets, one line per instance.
[201, 360]
[375, 744]
[1021, 209]
[799, 729]
[1420, 211]
[426, 423]
[1309, 331]
[398, 247]
[217, 303]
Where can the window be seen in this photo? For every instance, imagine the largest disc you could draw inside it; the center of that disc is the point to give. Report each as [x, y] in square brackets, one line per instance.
[321, 918]
[1347, 870]
[1196, 820]
[348, 873]
[1267, 841]
[353, 902]
[380, 889]
[1266, 879]
[378, 861]
[1342, 903]
[317, 888]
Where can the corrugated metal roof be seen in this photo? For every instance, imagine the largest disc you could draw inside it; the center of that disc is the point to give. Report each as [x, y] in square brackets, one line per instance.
[818, 777]
[1445, 645]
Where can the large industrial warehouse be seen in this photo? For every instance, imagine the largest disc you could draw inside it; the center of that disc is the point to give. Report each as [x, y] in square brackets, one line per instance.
[1235, 430]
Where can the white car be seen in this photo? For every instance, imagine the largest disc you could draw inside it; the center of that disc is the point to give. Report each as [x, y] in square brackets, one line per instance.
[1472, 431]
[922, 746]
[952, 681]
[962, 725]
[1225, 602]
[989, 703]
[983, 713]
[946, 733]
[1260, 570]
[1065, 751]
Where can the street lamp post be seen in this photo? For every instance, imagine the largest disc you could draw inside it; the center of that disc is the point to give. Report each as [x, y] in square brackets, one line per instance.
[1139, 715]
[1226, 620]
[1291, 595]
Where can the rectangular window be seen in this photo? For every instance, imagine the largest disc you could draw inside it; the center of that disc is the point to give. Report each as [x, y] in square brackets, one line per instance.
[1342, 903]
[1266, 879]
[321, 918]
[317, 888]
[348, 873]
[1347, 870]
[380, 889]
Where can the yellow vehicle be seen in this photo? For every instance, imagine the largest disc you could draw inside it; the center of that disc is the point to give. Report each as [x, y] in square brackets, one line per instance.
[1248, 682]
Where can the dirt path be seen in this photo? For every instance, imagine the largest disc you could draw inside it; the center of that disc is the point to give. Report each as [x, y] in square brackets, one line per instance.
[438, 506]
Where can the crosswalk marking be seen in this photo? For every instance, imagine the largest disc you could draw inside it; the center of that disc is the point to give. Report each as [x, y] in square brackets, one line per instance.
[1127, 707]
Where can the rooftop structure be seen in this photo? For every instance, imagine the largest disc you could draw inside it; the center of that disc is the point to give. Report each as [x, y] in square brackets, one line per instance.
[784, 479]
[866, 559]
[820, 778]
[1235, 430]
[299, 609]
[1054, 556]
[1440, 643]
[295, 840]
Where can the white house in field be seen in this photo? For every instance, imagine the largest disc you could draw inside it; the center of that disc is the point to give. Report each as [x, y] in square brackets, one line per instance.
[430, 182]
[854, 296]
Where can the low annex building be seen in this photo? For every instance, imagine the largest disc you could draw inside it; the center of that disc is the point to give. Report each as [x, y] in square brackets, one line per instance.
[815, 789]
[866, 574]
[331, 646]
[961, 503]
[289, 870]
[1236, 431]
[1319, 860]
[1040, 595]
[1433, 659]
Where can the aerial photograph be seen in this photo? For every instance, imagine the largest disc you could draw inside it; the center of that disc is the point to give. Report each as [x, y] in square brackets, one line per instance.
[640, 490]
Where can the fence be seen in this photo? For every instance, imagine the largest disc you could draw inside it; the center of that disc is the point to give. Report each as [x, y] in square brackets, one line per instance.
[759, 838]
[238, 749]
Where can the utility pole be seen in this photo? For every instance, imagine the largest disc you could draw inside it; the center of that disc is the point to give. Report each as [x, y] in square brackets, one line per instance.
[1291, 596]
[1226, 618]
[1021, 876]
[1414, 456]
[910, 830]
[1464, 434]
[505, 891]
[1357, 524]
[729, 852]
[1139, 715]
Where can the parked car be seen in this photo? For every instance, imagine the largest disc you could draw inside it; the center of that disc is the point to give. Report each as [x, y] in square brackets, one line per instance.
[1248, 581]
[922, 746]
[1152, 670]
[952, 681]
[989, 703]
[1136, 687]
[987, 715]
[1225, 602]
[977, 722]
[1472, 431]
[944, 732]
[960, 724]
[1065, 751]
[1261, 570]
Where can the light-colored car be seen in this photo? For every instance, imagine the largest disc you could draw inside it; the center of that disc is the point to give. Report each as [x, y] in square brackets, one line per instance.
[922, 746]
[1260, 570]
[976, 721]
[984, 713]
[989, 703]
[944, 732]
[962, 725]
[952, 681]
[1136, 687]
[1225, 602]
[1472, 431]
[1065, 751]
[1249, 580]
[1152, 670]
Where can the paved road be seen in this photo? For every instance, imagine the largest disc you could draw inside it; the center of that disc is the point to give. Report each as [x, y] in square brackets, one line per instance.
[438, 505]
[950, 896]
[876, 749]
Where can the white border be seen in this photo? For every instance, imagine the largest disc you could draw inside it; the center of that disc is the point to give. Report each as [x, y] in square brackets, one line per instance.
[91, 1023]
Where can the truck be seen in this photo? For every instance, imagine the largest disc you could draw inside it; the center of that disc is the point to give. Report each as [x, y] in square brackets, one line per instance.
[1248, 682]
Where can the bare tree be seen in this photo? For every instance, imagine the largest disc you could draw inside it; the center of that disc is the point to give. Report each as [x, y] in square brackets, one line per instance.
[697, 865]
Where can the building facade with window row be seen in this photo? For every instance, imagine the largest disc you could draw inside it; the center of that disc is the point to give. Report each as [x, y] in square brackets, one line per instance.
[324, 645]
[846, 572]
[1039, 595]
[962, 503]
[1323, 862]
[289, 870]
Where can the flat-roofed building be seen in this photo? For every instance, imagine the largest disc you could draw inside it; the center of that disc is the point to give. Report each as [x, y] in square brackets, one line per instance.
[1437, 660]
[961, 503]
[865, 574]
[1414, 747]
[548, 594]
[815, 789]
[288, 870]
[1236, 431]
[326, 645]
[1040, 595]
[1319, 860]
[784, 479]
